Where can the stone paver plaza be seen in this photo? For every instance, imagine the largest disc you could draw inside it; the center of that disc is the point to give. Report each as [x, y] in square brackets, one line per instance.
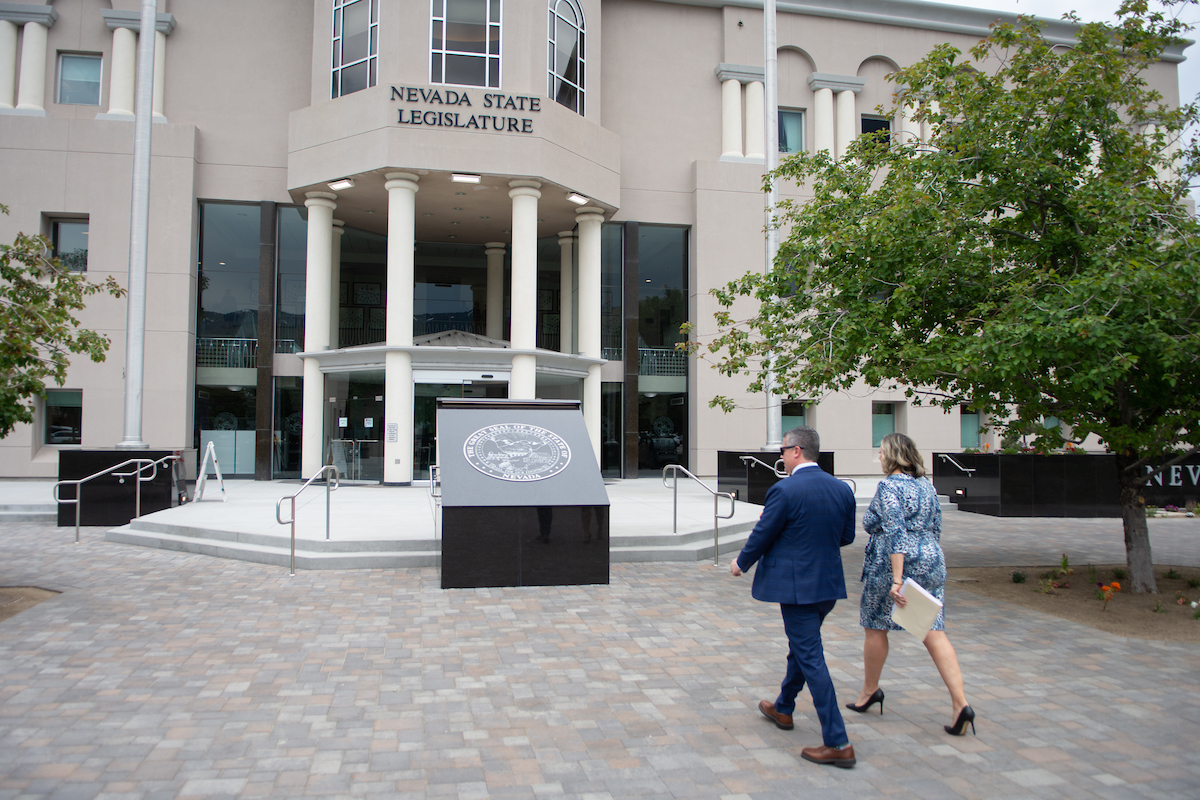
[164, 674]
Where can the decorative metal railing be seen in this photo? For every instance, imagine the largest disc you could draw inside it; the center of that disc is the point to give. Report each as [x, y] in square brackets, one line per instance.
[227, 352]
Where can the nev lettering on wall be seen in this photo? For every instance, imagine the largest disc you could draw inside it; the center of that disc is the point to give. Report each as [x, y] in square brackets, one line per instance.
[453, 108]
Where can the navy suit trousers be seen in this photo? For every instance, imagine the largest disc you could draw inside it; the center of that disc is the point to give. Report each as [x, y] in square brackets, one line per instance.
[806, 663]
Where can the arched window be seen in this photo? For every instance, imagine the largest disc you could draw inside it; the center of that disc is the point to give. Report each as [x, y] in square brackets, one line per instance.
[566, 54]
[355, 45]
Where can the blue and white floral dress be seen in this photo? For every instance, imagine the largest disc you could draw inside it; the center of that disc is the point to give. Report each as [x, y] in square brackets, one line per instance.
[905, 516]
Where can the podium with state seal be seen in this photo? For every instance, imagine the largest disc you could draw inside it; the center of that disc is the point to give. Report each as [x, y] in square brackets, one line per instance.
[523, 502]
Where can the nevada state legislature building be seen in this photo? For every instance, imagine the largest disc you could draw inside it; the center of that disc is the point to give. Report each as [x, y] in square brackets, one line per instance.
[359, 206]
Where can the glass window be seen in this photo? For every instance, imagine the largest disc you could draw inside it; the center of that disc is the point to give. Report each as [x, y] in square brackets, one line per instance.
[969, 427]
[883, 421]
[291, 260]
[612, 283]
[795, 414]
[465, 43]
[355, 45]
[662, 288]
[79, 80]
[363, 288]
[69, 239]
[880, 127]
[64, 416]
[566, 54]
[612, 414]
[791, 130]
[288, 427]
[227, 319]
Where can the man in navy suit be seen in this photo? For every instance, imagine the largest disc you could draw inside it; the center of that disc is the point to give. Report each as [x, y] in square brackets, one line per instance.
[806, 518]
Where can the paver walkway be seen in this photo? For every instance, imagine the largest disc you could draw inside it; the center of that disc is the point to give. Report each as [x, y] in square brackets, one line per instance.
[163, 674]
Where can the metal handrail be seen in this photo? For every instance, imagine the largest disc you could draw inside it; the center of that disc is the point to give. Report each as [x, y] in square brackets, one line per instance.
[143, 464]
[675, 470]
[955, 463]
[435, 481]
[778, 472]
[329, 487]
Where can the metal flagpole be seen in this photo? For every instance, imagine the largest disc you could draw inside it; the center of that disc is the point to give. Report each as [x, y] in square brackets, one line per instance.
[771, 129]
[139, 224]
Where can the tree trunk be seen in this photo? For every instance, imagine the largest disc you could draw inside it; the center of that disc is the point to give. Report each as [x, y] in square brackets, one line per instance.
[1137, 536]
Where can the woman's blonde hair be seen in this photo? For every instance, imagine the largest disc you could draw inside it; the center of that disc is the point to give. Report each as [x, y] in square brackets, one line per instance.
[899, 453]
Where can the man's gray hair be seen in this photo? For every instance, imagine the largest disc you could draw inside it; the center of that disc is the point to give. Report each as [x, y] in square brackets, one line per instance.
[807, 438]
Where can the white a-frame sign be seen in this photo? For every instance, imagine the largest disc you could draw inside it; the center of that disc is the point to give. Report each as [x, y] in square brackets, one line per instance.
[210, 454]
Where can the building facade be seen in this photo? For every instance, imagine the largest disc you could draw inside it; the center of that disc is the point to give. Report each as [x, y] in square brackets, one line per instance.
[358, 206]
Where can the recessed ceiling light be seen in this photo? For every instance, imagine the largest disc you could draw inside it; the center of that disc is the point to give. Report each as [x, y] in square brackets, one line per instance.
[455, 222]
[485, 217]
[577, 198]
[339, 185]
[458, 177]
[458, 209]
[452, 236]
[427, 214]
[460, 194]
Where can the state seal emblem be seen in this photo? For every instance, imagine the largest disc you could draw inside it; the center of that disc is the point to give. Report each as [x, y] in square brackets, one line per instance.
[517, 452]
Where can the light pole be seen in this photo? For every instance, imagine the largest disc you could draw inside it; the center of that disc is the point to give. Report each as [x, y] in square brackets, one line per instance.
[771, 129]
[139, 224]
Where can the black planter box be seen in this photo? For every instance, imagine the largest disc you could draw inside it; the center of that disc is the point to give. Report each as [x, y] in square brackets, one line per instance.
[523, 503]
[1028, 485]
[109, 500]
[748, 481]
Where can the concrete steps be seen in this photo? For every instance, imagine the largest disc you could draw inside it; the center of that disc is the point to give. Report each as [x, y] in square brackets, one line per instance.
[28, 512]
[388, 552]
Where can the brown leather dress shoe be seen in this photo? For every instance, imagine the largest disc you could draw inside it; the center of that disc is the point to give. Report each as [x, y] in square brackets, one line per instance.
[843, 757]
[783, 721]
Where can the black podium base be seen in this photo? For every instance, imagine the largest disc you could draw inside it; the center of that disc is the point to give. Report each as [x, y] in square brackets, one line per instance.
[524, 546]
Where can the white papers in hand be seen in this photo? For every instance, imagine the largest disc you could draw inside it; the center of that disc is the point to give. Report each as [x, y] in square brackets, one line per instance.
[918, 615]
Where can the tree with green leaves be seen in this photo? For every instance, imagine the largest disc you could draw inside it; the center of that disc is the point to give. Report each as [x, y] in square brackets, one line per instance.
[38, 301]
[1035, 258]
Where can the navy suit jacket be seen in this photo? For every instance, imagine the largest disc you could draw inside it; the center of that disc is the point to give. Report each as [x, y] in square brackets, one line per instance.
[806, 518]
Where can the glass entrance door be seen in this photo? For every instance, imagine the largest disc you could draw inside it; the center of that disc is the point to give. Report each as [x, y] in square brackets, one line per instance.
[354, 424]
[425, 397]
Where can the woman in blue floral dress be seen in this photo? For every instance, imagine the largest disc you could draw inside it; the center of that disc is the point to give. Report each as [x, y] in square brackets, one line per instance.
[904, 521]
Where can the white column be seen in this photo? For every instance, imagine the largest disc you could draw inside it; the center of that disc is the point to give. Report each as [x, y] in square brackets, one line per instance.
[32, 89]
[927, 130]
[8, 63]
[847, 127]
[522, 383]
[566, 287]
[335, 279]
[731, 117]
[397, 364]
[823, 121]
[160, 73]
[589, 220]
[495, 289]
[123, 71]
[755, 120]
[909, 130]
[316, 327]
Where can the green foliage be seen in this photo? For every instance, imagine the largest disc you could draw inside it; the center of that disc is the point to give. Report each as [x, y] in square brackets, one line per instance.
[38, 300]
[1034, 259]
[1018, 576]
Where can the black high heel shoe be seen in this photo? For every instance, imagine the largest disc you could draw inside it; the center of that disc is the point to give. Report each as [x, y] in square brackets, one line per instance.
[877, 697]
[960, 725]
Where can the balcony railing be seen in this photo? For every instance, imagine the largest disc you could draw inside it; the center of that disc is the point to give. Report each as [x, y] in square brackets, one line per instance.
[227, 352]
[653, 361]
